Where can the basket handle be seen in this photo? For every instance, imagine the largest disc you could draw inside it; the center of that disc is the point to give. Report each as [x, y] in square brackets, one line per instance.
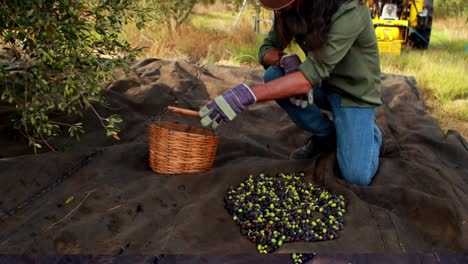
[183, 111]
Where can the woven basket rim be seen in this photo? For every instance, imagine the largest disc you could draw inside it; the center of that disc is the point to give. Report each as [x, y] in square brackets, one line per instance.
[163, 124]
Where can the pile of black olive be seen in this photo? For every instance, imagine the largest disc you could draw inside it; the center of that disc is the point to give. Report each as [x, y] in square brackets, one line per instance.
[273, 210]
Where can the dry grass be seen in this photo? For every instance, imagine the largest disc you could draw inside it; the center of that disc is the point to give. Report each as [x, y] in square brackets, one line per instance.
[192, 44]
[217, 7]
[208, 38]
[452, 26]
[448, 116]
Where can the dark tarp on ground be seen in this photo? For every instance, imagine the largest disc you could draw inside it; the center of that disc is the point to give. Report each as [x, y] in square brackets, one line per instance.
[237, 259]
[417, 202]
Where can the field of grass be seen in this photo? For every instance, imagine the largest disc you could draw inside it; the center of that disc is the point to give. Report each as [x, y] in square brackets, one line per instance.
[441, 71]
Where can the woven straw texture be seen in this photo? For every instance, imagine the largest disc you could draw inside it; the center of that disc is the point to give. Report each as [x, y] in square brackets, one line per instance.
[179, 148]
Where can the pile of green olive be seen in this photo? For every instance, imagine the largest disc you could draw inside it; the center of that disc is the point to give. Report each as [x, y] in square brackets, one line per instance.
[273, 210]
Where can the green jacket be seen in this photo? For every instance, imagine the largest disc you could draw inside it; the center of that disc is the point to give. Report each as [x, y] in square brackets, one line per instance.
[351, 64]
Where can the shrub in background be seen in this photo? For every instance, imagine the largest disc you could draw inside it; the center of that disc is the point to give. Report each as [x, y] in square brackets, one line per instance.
[170, 12]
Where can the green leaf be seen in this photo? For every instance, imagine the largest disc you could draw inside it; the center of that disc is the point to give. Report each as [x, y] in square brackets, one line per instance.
[29, 13]
[100, 30]
[9, 37]
[3, 11]
[117, 119]
[69, 200]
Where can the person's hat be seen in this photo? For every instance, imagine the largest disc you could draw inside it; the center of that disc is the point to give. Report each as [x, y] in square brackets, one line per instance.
[275, 4]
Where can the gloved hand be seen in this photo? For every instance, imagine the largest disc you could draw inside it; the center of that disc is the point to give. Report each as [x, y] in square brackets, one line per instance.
[291, 64]
[227, 106]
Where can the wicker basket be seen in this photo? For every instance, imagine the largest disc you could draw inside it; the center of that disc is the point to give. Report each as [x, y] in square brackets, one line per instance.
[179, 148]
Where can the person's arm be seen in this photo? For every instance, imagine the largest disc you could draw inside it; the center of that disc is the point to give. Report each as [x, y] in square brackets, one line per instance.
[289, 85]
[227, 106]
[270, 52]
[272, 57]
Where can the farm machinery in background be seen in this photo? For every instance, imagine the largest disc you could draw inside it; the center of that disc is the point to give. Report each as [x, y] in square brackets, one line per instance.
[401, 22]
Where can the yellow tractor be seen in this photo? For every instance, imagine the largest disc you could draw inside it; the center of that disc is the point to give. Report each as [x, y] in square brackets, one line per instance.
[401, 22]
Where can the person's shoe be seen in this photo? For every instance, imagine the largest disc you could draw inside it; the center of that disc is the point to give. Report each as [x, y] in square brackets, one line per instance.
[315, 146]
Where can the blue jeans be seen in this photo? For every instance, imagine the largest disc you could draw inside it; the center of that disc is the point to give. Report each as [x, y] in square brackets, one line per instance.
[357, 134]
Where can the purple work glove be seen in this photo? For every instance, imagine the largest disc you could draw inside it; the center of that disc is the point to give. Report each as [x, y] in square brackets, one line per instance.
[291, 64]
[227, 106]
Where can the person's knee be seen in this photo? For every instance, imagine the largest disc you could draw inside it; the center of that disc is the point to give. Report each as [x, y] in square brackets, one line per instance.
[272, 73]
[360, 175]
